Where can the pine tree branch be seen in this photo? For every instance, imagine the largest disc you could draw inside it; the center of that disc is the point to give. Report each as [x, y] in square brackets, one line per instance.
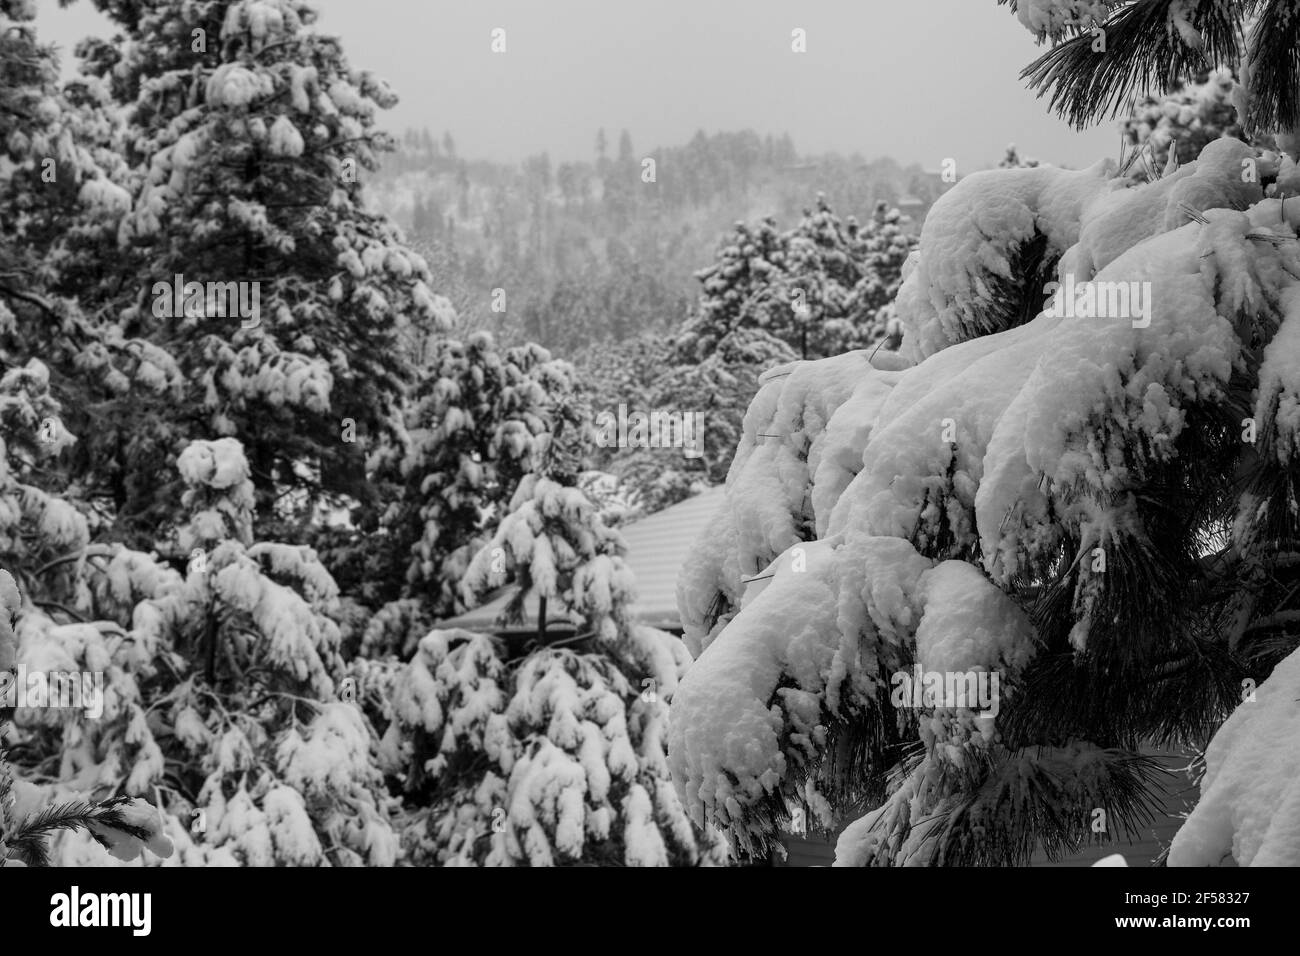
[1278, 619]
[1143, 52]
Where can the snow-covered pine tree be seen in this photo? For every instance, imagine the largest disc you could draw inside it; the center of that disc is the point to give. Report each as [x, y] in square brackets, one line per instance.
[124, 826]
[627, 373]
[61, 199]
[819, 287]
[1013, 159]
[52, 157]
[811, 301]
[49, 625]
[552, 542]
[277, 749]
[555, 758]
[748, 261]
[1184, 119]
[720, 387]
[249, 135]
[1096, 504]
[615, 371]
[884, 246]
[472, 429]
[224, 696]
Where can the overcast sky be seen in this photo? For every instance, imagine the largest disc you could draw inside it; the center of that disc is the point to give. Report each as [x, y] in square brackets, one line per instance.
[919, 80]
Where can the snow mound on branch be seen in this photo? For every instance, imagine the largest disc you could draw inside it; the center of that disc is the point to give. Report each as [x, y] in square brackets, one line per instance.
[290, 828]
[219, 495]
[659, 655]
[847, 434]
[103, 194]
[975, 231]
[133, 576]
[780, 449]
[331, 754]
[234, 85]
[773, 501]
[970, 238]
[725, 725]
[1277, 410]
[985, 440]
[968, 625]
[217, 464]
[1050, 18]
[925, 456]
[643, 844]
[140, 817]
[10, 604]
[301, 566]
[297, 637]
[1250, 796]
[710, 574]
[1120, 220]
[285, 138]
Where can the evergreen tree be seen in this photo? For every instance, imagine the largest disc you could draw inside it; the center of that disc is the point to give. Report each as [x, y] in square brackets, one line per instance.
[809, 305]
[749, 261]
[824, 287]
[123, 826]
[720, 387]
[248, 134]
[636, 373]
[885, 247]
[477, 418]
[820, 287]
[216, 690]
[60, 196]
[1012, 159]
[257, 710]
[1183, 120]
[558, 758]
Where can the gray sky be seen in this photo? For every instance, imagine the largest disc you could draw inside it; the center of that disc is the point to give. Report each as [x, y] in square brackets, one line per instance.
[919, 80]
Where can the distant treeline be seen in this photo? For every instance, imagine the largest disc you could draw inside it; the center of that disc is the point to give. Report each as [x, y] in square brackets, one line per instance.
[585, 252]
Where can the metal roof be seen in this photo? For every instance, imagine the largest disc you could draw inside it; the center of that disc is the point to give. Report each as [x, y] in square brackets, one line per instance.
[656, 547]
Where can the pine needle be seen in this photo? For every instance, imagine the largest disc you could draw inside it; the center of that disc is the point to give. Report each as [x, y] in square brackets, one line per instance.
[1274, 59]
[1143, 52]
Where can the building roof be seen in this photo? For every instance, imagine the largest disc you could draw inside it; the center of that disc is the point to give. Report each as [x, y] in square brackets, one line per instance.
[656, 547]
